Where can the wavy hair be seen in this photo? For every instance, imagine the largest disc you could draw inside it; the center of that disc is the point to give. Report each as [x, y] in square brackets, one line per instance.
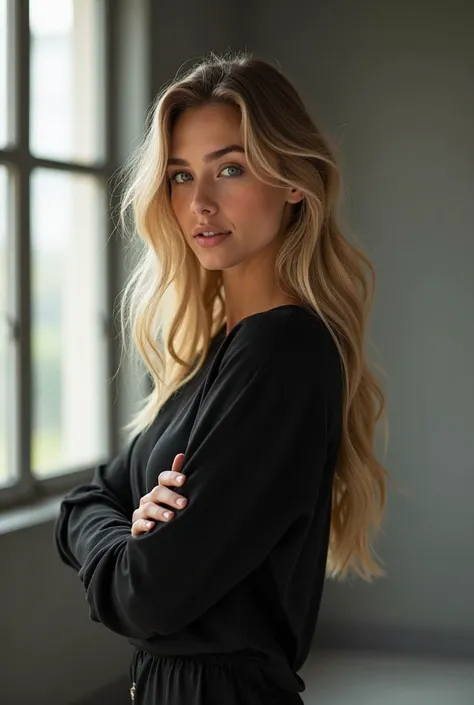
[172, 307]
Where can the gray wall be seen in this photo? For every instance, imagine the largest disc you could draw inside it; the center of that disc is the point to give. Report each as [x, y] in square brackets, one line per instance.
[394, 86]
[393, 82]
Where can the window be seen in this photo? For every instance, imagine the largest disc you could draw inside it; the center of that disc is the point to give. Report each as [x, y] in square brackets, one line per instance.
[68, 346]
[56, 160]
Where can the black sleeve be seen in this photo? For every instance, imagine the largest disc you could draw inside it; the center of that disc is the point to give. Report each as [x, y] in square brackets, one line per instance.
[97, 512]
[253, 463]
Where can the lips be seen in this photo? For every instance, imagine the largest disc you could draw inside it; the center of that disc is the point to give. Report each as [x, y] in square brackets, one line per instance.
[209, 228]
[222, 232]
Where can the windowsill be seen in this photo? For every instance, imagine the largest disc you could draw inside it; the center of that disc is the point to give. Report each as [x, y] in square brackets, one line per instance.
[27, 516]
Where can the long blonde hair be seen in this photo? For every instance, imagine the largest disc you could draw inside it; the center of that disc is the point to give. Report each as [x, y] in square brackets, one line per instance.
[172, 306]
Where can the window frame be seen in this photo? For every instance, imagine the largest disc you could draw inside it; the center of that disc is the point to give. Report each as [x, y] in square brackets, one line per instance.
[26, 489]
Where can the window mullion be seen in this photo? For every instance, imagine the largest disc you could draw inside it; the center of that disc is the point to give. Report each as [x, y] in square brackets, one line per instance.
[22, 258]
[111, 79]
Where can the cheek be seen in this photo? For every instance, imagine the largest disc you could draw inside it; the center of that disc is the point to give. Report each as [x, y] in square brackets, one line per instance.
[175, 200]
[180, 207]
[253, 200]
[263, 205]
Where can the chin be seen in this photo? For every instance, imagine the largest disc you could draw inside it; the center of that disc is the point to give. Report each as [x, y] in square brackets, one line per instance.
[211, 267]
[220, 263]
[215, 265]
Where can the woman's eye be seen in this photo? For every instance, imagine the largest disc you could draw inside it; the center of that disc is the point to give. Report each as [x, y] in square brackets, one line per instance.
[174, 176]
[233, 167]
[177, 173]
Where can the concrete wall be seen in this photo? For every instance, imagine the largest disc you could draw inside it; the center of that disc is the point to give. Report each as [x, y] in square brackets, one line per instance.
[393, 83]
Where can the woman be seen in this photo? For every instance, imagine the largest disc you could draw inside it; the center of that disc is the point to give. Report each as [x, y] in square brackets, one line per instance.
[249, 309]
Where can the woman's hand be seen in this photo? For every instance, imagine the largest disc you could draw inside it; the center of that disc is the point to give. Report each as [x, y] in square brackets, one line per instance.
[149, 511]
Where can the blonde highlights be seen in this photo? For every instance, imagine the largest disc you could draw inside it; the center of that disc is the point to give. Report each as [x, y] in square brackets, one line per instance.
[172, 307]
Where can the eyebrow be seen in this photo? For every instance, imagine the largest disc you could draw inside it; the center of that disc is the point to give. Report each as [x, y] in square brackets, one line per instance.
[212, 156]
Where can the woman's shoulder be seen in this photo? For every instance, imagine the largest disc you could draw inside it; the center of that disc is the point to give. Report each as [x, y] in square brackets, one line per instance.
[291, 334]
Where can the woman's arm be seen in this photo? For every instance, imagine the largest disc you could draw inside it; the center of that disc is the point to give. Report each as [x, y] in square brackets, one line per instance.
[96, 511]
[261, 422]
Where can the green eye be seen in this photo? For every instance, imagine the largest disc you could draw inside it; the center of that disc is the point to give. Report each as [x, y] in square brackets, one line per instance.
[234, 166]
[175, 174]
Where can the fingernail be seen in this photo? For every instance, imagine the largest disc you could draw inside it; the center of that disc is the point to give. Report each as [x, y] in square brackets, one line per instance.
[180, 478]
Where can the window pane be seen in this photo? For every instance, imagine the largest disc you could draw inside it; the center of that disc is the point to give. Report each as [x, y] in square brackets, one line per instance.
[7, 350]
[67, 83]
[69, 347]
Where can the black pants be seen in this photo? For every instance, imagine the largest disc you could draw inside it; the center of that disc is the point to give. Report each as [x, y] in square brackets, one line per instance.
[204, 679]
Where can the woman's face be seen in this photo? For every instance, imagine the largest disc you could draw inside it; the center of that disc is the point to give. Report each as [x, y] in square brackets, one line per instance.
[222, 194]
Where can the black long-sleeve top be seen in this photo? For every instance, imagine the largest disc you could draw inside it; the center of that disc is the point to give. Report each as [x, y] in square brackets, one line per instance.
[241, 567]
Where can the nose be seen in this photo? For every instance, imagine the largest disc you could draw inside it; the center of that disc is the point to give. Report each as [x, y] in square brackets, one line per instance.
[202, 202]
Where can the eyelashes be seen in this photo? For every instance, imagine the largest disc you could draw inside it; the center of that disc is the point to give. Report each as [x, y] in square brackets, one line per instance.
[173, 176]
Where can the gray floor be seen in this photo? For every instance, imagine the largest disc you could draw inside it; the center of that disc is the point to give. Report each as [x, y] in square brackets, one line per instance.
[337, 678]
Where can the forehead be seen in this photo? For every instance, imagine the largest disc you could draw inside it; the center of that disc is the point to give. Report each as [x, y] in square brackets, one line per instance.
[204, 127]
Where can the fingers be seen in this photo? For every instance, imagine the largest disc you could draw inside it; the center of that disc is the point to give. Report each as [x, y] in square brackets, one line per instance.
[164, 495]
[174, 476]
[145, 517]
[159, 494]
[177, 462]
[150, 511]
[153, 511]
[170, 477]
[142, 526]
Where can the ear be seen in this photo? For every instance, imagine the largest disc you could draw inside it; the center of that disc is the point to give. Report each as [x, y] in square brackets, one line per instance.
[294, 196]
